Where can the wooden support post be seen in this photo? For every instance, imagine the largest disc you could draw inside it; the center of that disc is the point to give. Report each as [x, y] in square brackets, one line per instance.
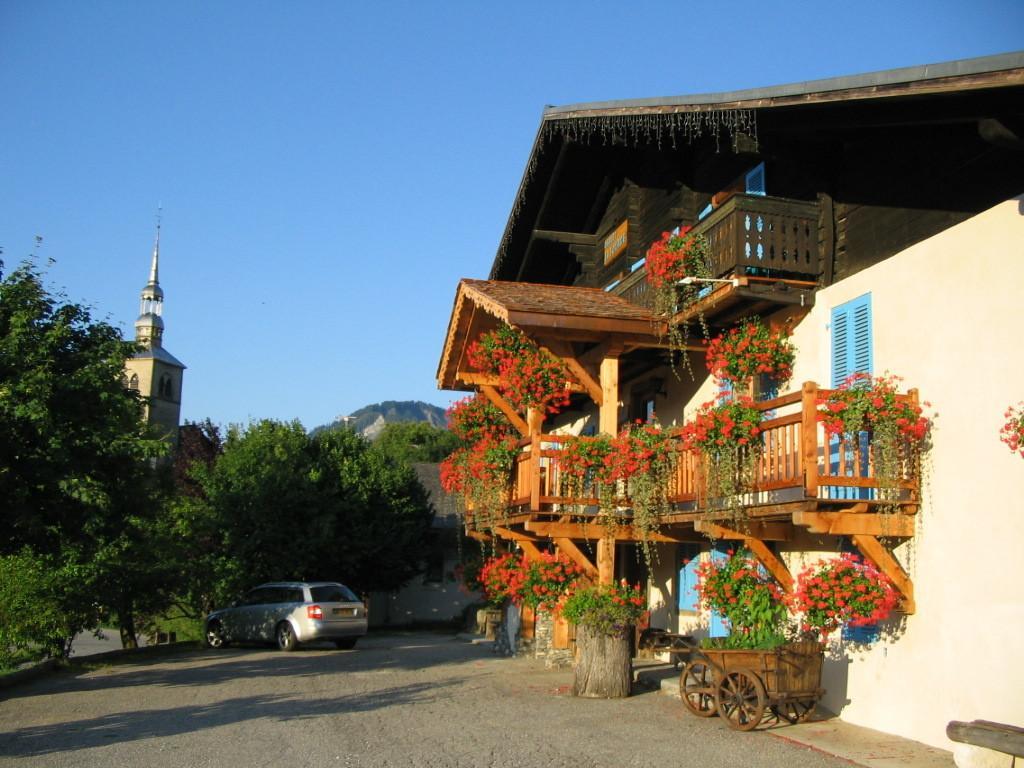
[606, 561]
[809, 438]
[873, 550]
[568, 546]
[608, 421]
[535, 420]
[775, 566]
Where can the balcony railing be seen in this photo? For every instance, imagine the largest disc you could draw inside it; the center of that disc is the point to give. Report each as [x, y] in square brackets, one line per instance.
[751, 236]
[797, 462]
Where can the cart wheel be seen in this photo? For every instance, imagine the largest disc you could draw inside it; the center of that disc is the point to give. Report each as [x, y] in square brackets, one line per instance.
[697, 687]
[795, 711]
[740, 699]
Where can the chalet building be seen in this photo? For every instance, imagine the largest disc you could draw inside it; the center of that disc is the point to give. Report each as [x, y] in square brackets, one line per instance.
[153, 371]
[880, 218]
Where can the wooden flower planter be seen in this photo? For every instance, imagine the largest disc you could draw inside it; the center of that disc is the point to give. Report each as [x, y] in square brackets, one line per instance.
[739, 685]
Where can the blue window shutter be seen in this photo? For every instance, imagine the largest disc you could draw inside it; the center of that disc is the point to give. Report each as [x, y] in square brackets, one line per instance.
[688, 600]
[755, 181]
[851, 339]
[851, 353]
[865, 633]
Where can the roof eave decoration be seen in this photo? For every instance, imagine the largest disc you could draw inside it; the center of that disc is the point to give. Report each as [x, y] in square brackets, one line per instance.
[688, 117]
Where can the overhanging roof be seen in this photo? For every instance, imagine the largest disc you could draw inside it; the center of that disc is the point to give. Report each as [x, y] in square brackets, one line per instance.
[564, 313]
[655, 120]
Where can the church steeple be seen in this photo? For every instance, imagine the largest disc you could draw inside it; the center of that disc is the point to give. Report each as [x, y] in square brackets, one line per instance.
[152, 371]
[149, 327]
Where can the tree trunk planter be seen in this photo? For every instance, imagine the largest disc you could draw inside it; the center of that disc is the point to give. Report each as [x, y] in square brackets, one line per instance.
[604, 665]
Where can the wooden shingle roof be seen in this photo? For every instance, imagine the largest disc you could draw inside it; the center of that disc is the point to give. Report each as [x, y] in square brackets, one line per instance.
[558, 312]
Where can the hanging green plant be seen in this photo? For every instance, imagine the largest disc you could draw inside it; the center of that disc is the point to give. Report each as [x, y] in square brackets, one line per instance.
[669, 260]
[897, 427]
[748, 599]
[726, 435]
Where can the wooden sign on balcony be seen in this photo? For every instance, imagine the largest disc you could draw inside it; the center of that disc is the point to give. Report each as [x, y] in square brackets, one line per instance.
[616, 242]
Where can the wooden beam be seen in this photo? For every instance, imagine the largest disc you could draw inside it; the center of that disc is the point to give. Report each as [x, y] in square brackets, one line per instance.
[502, 404]
[479, 536]
[569, 238]
[849, 523]
[595, 531]
[529, 549]
[477, 379]
[605, 561]
[873, 550]
[578, 556]
[591, 385]
[756, 529]
[1008, 739]
[508, 533]
[770, 560]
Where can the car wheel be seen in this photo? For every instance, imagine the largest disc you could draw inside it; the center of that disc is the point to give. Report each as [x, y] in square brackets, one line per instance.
[346, 643]
[286, 639]
[215, 635]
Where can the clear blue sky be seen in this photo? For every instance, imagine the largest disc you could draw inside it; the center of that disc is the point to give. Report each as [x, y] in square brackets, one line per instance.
[329, 170]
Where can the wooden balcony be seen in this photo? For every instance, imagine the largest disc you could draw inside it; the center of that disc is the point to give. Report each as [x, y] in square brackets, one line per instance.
[798, 463]
[769, 242]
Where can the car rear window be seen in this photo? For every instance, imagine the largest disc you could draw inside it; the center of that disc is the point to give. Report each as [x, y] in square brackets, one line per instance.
[333, 593]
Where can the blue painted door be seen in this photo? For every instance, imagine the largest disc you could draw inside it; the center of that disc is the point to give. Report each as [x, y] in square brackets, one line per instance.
[717, 628]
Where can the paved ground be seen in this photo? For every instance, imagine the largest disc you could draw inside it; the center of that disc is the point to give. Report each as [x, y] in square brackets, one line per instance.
[397, 700]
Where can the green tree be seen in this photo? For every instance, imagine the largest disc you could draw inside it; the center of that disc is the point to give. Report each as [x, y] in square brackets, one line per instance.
[74, 451]
[411, 442]
[279, 504]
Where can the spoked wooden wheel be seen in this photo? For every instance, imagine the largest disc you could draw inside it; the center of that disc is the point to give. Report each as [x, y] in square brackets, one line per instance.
[697, 687]
[795, 711]
[740, 699]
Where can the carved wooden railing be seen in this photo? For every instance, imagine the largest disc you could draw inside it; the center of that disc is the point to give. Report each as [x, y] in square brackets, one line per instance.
[751, 236]
[798, 461]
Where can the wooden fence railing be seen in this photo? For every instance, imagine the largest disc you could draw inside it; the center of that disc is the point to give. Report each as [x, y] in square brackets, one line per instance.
[797, 461]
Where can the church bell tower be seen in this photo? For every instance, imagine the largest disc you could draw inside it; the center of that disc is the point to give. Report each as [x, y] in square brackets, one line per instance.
[154, 372]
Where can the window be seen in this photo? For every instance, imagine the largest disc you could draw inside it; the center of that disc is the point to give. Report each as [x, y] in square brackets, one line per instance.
[333, 593]
[133, 382]
[164, 387]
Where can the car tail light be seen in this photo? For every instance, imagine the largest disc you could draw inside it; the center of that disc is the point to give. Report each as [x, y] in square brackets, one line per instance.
[314, 612]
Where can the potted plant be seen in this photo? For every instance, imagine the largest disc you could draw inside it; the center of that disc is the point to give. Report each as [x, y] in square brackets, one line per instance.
[750, 350]
[528, 376]
[604, 616]
[726, 435]
[842, 590]
[897, 425]
[749, 601]
[671, 259]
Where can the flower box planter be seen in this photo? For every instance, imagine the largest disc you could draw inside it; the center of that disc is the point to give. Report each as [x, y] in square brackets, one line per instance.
[739, 685]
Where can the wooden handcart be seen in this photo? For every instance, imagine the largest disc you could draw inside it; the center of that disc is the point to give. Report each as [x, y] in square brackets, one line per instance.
[739, 685]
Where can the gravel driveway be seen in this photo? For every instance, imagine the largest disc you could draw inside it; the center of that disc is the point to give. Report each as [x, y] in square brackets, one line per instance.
[412, 699]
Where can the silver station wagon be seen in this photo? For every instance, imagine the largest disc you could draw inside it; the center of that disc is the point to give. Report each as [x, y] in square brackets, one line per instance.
[289, 613]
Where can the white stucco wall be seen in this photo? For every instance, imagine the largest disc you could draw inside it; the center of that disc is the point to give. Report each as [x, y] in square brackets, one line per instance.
[946, 316]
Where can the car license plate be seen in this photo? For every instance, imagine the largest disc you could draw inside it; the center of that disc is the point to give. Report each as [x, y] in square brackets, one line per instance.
[344, 611]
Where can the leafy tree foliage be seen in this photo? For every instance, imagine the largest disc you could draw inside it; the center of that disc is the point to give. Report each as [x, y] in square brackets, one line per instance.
[411, 442]
[75, 461]
[279, 504]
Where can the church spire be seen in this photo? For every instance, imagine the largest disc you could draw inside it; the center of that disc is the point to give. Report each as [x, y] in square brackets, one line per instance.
[149, 327]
